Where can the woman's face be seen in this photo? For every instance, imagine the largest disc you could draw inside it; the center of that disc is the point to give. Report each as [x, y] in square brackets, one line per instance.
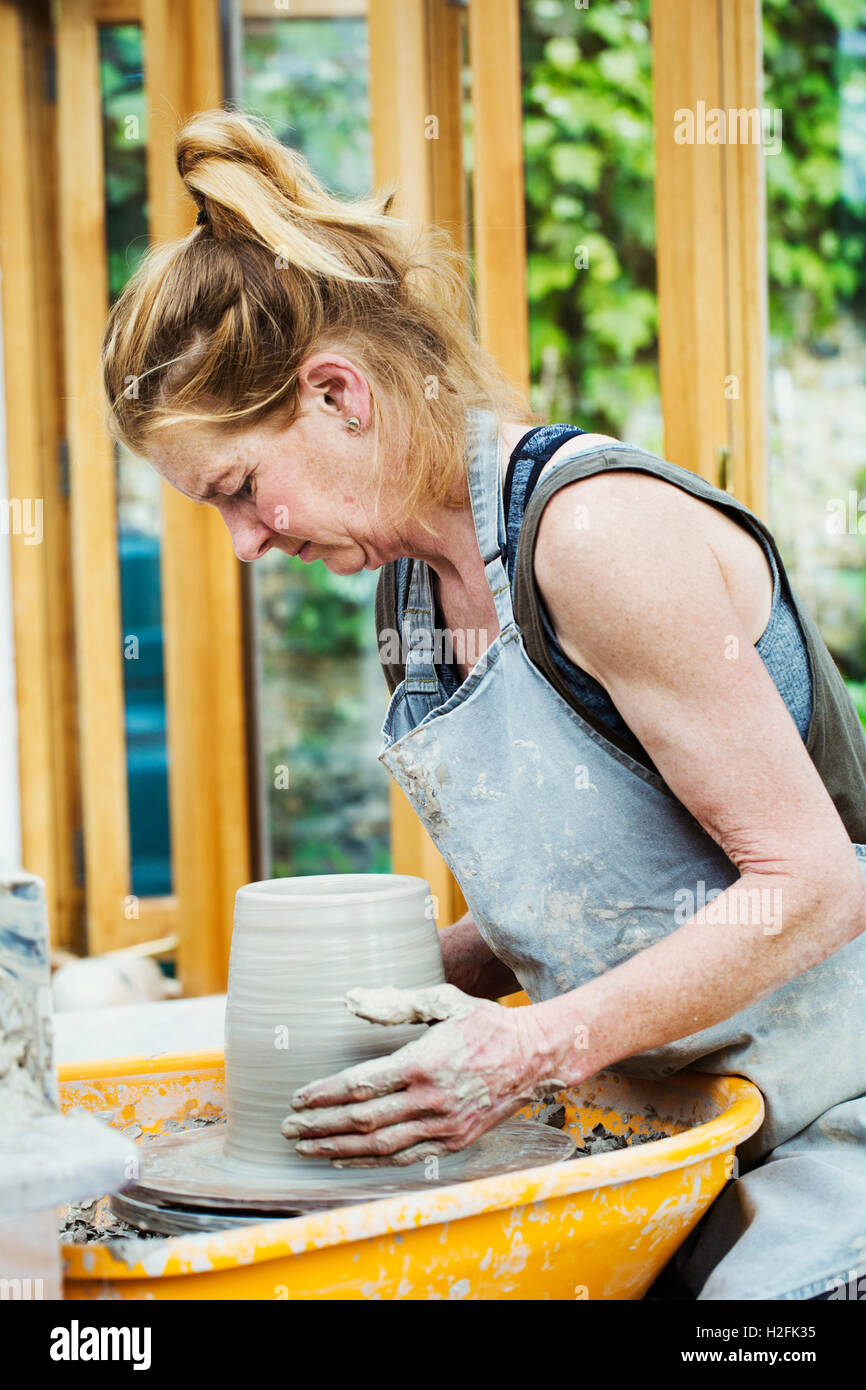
[307, 489]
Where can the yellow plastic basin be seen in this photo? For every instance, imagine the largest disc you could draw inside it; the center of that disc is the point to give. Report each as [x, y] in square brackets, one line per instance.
[598, 1228]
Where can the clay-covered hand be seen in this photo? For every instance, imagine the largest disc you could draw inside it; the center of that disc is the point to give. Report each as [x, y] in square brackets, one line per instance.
[477, 1065]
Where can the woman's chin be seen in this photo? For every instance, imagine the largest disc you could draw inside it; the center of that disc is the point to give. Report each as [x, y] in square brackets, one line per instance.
[339, 562]
[342, 566]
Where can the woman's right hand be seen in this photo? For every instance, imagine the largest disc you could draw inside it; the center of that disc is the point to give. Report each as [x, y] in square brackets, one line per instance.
[471, 965]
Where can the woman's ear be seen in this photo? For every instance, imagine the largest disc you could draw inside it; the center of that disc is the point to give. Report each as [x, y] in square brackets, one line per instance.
[332, 382]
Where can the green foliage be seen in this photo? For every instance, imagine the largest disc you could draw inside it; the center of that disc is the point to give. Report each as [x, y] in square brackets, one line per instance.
[591, 224]
[817, 220]
[124, 142]
[327, 612]
[589, 154]
[588, 141]
[309, 79]
[857, 691]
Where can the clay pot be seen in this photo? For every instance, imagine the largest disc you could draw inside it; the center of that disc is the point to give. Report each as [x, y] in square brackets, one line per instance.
[298, 945]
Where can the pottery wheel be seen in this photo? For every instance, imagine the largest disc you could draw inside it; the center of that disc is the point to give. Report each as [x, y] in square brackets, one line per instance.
[188, 1175]
[166, 1220]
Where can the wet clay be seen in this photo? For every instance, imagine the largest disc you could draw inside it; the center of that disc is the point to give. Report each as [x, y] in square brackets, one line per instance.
[299, 946]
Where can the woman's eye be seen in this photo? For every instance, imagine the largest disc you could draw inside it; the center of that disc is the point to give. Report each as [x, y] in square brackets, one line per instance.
[245, 490]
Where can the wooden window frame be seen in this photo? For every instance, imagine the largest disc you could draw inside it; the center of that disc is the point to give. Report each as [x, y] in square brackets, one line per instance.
[712, 273]
[201, 589]
[711, 238]
[42, 609]
[711, 233]
[415, 72]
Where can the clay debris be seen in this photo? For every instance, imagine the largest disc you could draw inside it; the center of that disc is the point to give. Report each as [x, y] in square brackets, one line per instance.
[601, 1141]
[93, 1223]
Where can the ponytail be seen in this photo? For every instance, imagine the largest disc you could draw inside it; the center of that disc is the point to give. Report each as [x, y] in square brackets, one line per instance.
[214, 327]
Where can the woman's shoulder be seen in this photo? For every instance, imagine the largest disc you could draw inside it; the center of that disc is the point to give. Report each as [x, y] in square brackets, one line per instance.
[617, 495]
[620, 537]
[648, 471]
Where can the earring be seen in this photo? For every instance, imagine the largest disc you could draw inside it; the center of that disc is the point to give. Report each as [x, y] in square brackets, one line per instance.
[353, 424]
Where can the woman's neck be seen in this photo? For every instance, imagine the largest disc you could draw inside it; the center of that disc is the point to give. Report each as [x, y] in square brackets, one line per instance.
[452, 551]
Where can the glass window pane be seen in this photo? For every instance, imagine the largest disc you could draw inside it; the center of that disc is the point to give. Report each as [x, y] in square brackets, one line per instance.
[309, 78]
[138, 488]
[589, 158]
[322, 696]
[815, 74]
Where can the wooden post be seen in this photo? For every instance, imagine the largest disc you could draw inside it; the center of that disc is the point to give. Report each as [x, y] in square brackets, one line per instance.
[746, 258]
[96, 585]
[42, 607]
[417, 143]
[500, 219]
[445, 61]
[201, 577]
[400, 103]
[711, 236]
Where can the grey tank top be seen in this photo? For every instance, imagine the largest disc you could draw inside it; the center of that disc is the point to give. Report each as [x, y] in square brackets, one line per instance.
[781, 647]
[836, 741]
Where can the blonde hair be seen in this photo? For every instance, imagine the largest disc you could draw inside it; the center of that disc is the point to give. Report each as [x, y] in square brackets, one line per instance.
[214, 327]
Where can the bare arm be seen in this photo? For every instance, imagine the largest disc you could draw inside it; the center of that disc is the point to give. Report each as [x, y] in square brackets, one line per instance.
[641, 602]
[656, 625]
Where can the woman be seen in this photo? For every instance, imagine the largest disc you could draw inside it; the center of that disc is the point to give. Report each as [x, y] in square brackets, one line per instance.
[642, 765]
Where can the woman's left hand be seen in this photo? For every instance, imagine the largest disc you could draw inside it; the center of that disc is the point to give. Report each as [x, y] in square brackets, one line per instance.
[479, 1063]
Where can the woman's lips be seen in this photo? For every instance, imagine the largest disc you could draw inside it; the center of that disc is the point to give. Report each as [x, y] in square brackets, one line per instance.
[303, 553]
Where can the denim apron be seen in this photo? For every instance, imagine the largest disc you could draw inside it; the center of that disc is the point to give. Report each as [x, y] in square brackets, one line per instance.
[572, 857]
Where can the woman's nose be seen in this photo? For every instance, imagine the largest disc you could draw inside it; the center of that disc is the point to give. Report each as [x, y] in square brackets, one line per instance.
[251, 538]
